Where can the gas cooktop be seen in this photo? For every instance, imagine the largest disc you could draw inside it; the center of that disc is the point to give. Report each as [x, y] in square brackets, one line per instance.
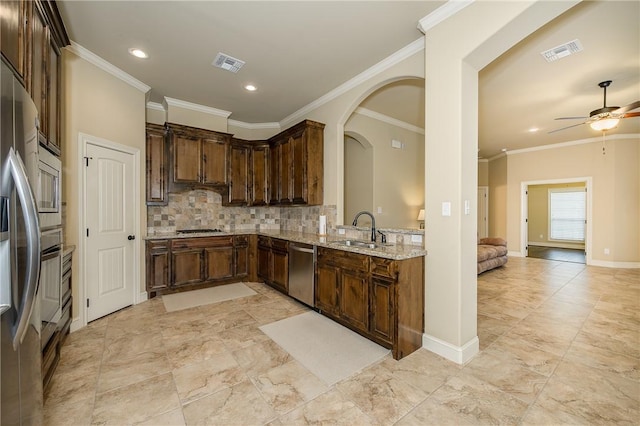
[197, 231]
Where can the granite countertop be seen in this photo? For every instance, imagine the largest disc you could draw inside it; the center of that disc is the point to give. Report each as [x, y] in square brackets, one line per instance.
[387, 251]
[68, 249]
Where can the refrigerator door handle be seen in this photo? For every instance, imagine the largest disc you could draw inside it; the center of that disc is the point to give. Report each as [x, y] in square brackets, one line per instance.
[5, 267]
[16, 170]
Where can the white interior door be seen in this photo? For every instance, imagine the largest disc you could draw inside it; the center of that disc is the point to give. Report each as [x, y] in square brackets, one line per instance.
[109, 218]
[483, 211]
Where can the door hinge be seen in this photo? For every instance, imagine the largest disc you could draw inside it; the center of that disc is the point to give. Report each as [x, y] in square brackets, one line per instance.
[86, 161]
[87, 232]
[87, 303]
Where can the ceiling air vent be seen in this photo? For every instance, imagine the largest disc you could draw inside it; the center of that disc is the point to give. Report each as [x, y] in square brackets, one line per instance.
[563, 50]
[228, 63]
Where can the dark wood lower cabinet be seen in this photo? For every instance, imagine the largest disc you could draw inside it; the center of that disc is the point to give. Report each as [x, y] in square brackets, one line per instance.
[186, 263]
[273, 262]
[381, 299]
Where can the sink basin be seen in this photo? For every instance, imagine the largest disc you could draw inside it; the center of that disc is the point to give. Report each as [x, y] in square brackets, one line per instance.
[358, 243]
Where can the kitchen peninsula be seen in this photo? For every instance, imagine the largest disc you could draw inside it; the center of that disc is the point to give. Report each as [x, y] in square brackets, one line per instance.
[375, 291]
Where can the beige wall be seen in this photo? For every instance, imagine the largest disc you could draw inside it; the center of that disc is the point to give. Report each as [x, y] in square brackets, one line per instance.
[193, 118]
[398, 174]
[615, 199]
[498, 197]
[100, 105]
[255, 134]
[358, 177]
[538, 215]
[483, 173]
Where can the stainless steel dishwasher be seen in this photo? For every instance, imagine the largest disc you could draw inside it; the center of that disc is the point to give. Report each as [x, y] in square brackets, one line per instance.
[302, 260]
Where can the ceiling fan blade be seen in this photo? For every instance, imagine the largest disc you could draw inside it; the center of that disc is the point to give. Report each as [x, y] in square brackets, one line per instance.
[564, 128]
[629, 107]
[631, 114]
[570, 118]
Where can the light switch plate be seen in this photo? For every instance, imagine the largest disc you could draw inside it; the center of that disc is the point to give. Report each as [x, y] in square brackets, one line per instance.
[446, 208]
[416, 238]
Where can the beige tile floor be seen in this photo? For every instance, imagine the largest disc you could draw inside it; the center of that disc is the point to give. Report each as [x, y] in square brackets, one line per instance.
[560, 344]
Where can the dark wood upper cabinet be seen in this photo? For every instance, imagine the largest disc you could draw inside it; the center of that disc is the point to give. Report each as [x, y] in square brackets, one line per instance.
[297, 169]
[238, 174]
[197, 158]
[13, 34]
[156, 164]
[259, 175]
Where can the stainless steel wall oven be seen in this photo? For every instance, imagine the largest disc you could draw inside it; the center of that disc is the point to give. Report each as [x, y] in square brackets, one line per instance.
[48, 189]
[50, 277]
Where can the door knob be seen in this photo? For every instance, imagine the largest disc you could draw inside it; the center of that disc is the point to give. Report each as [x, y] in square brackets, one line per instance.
[131, 237]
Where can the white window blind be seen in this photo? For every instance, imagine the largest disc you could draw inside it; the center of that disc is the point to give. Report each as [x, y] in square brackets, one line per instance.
[567, 214]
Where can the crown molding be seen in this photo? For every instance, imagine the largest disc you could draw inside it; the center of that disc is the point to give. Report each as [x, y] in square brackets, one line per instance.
[254, 126]
[156, 106]
[445, 11]
[96, 60]
[572, 143]
[389, 120]
[483, 160]
[196, 107]
[391, 60]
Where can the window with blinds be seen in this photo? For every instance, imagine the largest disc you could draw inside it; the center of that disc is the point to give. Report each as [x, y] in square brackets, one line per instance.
[567, 214]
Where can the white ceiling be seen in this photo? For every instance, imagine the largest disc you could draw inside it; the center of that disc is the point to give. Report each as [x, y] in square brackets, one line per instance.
[295, 52]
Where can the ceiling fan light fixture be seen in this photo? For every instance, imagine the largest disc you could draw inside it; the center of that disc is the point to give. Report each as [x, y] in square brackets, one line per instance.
[605, 124]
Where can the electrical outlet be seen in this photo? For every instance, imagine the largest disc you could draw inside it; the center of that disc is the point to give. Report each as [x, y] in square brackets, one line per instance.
[606, 251]
[541, 236]
[379, 210]
[341, 231]
[416, 238]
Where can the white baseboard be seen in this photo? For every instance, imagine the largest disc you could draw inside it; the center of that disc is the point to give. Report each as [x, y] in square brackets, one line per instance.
[142, 297]
[515, 254]
[458, 354]
[608, 264]
[76, 325]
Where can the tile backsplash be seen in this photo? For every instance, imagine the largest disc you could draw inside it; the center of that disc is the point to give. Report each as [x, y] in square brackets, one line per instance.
[204, 209]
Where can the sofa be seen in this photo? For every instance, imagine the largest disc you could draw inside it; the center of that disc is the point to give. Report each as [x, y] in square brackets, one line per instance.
[492, 253]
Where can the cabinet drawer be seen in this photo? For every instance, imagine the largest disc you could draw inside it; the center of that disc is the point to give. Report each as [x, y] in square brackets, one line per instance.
[279, 245]
[264, 241]
[384, 267]
[241, 240]
[344, 259]
[203, 242]
[157, 244]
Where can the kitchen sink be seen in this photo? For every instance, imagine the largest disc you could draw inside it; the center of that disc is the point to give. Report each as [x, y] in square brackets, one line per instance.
[358, 243]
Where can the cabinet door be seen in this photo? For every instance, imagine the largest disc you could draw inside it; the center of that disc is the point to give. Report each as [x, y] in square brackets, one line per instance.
[157, 265]
[187, 266]
[327, 289]
[259, 175]
[156, 177]
[265, 268]
[39, 51]
[280, 270]
[219, 263]
[187, 159]
[382, 308]
[214, 168]
[286, 196]
[274, 174]
[238, 175]
[354, 298]
[241, 264]
[12, 41]
[53, 95]
[298, 169]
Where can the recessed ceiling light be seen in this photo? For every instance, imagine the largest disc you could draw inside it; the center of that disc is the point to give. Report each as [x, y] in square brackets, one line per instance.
[138, 53]
[251, 87]
[533, 130]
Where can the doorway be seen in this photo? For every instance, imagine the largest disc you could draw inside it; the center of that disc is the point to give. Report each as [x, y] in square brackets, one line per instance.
[110, 221]
[556, 223]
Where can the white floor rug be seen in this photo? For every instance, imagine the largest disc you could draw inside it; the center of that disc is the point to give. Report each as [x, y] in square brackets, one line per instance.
[330, 351]
[205, 296]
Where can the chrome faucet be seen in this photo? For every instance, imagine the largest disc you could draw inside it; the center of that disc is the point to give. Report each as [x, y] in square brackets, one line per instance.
[373, 223]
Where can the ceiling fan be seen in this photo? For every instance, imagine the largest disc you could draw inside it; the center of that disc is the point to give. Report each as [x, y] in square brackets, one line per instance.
[605, 118]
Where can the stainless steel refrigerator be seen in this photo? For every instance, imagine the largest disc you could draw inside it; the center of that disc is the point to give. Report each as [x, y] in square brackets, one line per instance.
[21, 398]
